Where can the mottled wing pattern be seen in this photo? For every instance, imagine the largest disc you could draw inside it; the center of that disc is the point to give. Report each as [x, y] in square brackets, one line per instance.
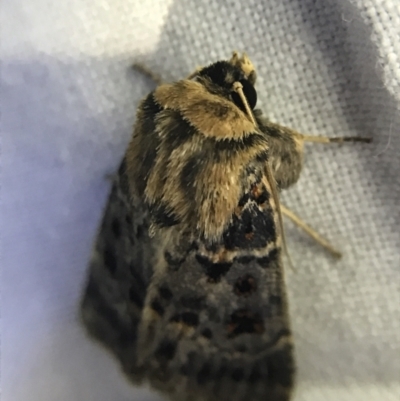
[198, 308]
[119, 273]
[215, 323]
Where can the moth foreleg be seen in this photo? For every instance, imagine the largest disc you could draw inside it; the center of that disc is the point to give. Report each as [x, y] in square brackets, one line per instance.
[338, 139]
[156, 78]
[148, 73]
[310, 231]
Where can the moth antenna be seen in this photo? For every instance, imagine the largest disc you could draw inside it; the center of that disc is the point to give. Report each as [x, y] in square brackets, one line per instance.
[238, 88]
[275, 196]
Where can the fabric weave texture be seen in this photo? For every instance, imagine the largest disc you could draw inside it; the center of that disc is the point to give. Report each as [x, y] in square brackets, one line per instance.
[68, 103]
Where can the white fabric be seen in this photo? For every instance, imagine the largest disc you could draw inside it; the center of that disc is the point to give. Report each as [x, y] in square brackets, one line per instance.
[68, 101]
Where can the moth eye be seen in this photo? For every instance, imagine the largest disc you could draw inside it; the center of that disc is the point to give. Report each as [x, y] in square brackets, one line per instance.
[249, 92]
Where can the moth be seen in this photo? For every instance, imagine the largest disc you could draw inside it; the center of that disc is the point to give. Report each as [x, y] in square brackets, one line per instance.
[186, 283]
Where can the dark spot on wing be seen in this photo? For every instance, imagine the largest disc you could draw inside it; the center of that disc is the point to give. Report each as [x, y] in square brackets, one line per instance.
[245, 321]
[166, 349]
[135, 297]
[266, 261]
[139, 231]
[275, 300]
[214, 271]
[245, 285]
[162, 216]
[221, 372]
[116, 228]
[157, 307]
[204, 373]
[165, 293]
[280, 367]
[188, 318]
[255, 374]
[207, 333]
[173, 261]
[191, 302]
[128, 220]
[245, 259]
[123, 178]
[260, 224]
[110, 259]
[237, 374]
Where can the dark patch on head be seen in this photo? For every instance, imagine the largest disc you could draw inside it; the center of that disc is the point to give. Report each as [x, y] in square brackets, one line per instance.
[165, 293]
[260, 223]
[224, 74]
[116, 227]
[214, 271]
[204, 374]
[166, 349]
[188, 318]
[191, 302]
[266, 261]
[237, 374]
[218, 73]
[157, 307]
[245, 285]
[207, 333]
[245, 321]
[110, 259]
[135, 297]
[250, 94]
[162, 216]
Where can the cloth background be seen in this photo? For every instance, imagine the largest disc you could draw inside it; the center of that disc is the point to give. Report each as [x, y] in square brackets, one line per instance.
[68, 101]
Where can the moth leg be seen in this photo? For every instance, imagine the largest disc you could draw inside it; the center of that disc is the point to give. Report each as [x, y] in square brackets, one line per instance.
[148, 73]
[310, 231]
[157, 78]
[338, 139]
[194, 73]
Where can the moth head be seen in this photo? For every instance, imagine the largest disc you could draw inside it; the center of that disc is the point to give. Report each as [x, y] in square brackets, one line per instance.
[245, 65]
[222, 78]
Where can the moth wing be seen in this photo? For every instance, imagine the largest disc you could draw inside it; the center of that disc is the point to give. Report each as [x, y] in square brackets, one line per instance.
[215, 323]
